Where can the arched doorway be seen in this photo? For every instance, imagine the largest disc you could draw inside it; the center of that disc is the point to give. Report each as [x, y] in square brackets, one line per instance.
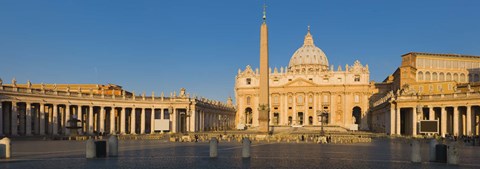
[356, 115]
[248, 115]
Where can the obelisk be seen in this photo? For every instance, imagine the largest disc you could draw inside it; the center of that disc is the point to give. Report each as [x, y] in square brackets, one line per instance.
[263, 107]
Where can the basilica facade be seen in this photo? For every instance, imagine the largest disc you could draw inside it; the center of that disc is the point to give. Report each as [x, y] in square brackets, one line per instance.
[304, 90]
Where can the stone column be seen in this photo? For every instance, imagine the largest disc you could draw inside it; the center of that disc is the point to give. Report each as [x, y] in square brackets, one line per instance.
[152, 121]
[14, 123]
[414, 122]
[28, 119]
[67, 118]
[469, 121]
[193, 117]
[431, 113]
[42, 119]
[36, 120]
[294, 107]
[285, 110]
[455, 121]
[132, 121]
[55, 119]
[173, 118]
[102, 119]
[392, 114]
[142, 121]
[90, 119]
[443, 130]
[122, 120]
[112, 120]
[315, 105]
[80, 117]
[398, 120]
[1, 118]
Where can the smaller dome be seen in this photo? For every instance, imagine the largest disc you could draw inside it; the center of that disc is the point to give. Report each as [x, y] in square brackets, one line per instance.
[308, 54]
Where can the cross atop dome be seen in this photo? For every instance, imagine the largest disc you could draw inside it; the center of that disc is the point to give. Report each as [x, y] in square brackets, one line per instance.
[308, 38]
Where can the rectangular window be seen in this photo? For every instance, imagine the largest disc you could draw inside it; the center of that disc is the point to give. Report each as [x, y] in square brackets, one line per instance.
[166, 114]
[249, 81]
[357, 99]
[289, 108]
[357, 78]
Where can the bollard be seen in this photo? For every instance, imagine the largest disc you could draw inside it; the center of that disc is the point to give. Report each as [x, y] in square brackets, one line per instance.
[452, 154]
[213, 147]
[113, 146]
[416, 158]
[246, 148]
[91, 149]
[6, 148]
[433, 152]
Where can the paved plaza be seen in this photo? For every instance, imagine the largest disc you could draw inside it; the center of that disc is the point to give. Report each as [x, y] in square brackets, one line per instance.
[381, 153]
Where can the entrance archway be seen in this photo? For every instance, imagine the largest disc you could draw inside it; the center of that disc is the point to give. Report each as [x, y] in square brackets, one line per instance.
[248, 115]
[357, 115]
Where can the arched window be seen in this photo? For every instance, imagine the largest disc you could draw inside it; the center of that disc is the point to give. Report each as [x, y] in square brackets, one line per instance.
[427, 77]
[462, 78]
[449, 77]
[455, 77]
[434, 77]
[420, 76]
[441, 77]
[248, 100]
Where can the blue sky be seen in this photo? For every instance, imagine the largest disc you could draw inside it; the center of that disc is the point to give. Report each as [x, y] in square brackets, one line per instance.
[165, 45]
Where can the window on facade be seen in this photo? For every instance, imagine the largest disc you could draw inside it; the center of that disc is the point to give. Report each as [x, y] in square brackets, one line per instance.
[289, 108]
[166, 114]
[427, 77]
[441, 77]
[357, 78]
[248, 100]
[357, 99]
[310, 79]
[290, 100]
[434, 77]
[275, 99]
[300, 99]
[339, 79]
[449, 77]
[325, 79]
[310, 108]
[310, 99]
[462, 78]
[420, 76]
[249, 81]
[289, 79]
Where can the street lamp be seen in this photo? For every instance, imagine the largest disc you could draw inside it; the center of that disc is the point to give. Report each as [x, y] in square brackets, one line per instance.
[322, 115]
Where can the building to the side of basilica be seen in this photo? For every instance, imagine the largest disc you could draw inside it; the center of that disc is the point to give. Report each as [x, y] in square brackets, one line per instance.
[427, 86]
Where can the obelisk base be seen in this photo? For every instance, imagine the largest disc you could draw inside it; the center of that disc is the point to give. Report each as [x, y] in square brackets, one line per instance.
[263, 119]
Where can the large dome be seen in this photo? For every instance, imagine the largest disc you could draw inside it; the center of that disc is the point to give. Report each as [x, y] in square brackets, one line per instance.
[308, 55]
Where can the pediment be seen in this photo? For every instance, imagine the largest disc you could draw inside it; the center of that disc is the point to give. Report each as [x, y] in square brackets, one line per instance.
[300, 82]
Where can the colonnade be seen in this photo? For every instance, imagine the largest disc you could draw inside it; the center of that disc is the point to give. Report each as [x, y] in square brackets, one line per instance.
[33, 118]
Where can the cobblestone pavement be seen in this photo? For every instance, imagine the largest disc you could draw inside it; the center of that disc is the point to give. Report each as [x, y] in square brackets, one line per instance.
[382, 153]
